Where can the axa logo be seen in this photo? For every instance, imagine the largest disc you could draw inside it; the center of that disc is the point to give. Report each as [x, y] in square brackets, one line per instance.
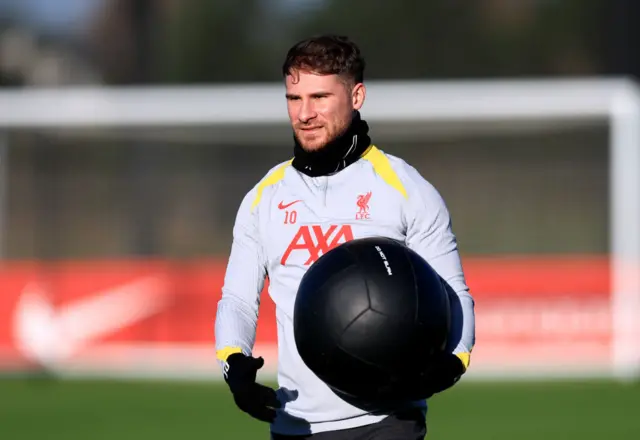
[363, 206]
[314, 241]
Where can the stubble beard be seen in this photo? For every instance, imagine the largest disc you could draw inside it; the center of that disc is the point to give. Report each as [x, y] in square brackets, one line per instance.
[314, 145]
[317, 147]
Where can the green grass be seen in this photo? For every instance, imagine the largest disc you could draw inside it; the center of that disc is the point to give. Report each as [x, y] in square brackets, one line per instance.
[97, 410]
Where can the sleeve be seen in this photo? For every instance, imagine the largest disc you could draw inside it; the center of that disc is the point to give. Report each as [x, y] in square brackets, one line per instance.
[430, 234]
[237, 311]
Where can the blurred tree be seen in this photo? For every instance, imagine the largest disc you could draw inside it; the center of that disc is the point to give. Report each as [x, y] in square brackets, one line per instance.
[403, 39]
[457, 38]
[622, 46]
[119, 38]
[174, 41]
[214, 41]
[569, 37]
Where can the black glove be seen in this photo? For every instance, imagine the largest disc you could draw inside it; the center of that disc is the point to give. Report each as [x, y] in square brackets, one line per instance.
[253, 398]
[434, 375]
[442, 372]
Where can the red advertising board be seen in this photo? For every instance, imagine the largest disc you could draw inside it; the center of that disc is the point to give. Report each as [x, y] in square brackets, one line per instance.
[156, 317]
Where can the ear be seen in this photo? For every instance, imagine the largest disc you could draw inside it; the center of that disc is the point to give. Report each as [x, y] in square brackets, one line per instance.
[358, 94]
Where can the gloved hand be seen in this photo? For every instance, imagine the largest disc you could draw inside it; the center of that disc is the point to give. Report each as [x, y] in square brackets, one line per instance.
[442, 372]
[255, 399]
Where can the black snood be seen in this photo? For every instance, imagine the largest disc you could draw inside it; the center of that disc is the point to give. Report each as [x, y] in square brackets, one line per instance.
[336, 155]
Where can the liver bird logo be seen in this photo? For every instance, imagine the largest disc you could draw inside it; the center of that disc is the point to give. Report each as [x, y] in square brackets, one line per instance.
[363, 203]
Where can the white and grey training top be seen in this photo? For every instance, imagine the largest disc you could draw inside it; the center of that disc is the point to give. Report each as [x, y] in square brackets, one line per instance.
[285, 222]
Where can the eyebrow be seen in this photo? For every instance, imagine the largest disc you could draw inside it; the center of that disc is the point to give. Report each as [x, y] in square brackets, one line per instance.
[313, 95]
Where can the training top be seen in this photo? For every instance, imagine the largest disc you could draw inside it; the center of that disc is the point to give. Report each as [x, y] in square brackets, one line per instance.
[285, 223]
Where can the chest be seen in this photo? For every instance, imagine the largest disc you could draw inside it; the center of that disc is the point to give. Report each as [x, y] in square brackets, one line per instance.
[306, 221]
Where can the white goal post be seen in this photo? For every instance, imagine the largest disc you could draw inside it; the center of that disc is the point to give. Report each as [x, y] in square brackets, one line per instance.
[402, 110]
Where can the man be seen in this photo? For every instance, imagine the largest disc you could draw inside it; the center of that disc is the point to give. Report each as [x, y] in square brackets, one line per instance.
[337, 187]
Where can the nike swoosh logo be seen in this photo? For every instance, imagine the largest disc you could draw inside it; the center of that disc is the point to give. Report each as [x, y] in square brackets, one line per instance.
[52, 334]
[281, 205]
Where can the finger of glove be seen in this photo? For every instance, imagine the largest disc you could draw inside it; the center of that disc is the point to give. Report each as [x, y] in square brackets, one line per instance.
[257, 363]
[267, 396]
[262, 413]
[255, 410]
[252, 405]
[257, 395]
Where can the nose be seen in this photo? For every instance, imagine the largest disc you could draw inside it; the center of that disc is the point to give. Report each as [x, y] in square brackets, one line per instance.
[307, 111]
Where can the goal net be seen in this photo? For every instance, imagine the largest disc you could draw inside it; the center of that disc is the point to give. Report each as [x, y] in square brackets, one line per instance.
[116, 209]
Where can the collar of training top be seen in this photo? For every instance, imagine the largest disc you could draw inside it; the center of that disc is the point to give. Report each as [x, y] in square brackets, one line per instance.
[336, 155]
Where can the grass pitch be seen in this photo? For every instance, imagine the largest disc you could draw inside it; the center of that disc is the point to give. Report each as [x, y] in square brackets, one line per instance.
[125, 410]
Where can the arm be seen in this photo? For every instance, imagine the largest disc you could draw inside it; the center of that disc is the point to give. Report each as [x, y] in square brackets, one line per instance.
[430, 234]
[237, 313]
[237, 317]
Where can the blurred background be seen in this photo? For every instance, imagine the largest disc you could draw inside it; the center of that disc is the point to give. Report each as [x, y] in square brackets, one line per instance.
[114, 240]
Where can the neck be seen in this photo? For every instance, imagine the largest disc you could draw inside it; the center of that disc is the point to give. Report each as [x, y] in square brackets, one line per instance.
[337, 154]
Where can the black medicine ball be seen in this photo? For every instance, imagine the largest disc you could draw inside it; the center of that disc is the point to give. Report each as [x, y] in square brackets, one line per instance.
[367, 317]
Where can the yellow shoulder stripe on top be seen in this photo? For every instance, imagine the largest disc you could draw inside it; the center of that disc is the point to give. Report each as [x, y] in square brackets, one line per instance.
[225, 352]
[271, 179]
[383, 168]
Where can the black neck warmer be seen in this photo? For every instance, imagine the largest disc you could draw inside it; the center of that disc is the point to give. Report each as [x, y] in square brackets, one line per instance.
[336, 155]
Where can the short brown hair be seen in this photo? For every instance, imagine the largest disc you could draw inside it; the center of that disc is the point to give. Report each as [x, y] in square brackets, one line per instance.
[326, 55]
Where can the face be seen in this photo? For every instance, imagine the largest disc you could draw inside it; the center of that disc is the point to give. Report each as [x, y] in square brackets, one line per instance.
[320, 107]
